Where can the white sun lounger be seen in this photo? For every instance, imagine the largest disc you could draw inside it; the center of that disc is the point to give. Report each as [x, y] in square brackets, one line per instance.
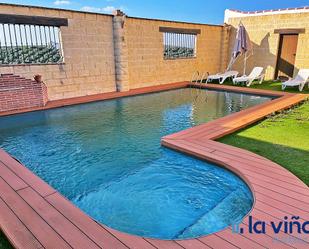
[300, 80]
[222, 76]
[256, 74]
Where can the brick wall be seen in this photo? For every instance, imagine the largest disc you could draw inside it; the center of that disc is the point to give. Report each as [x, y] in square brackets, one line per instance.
[265, 41]
[18, 92]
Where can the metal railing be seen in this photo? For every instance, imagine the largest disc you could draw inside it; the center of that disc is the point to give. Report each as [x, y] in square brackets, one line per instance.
[179, 45]
[30, 44]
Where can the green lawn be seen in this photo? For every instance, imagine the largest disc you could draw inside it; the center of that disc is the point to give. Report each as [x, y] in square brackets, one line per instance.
[4, 243]
[282, 138]
[275, 86]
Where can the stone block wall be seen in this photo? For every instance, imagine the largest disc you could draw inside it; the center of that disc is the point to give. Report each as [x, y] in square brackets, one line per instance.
[265, 42]
[106, 53]
[88, 50]
[147, 67]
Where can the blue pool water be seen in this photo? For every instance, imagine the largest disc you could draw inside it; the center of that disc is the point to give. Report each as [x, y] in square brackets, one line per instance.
[107, 159]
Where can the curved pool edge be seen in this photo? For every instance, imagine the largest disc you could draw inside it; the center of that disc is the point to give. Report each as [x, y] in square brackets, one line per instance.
[36, 215]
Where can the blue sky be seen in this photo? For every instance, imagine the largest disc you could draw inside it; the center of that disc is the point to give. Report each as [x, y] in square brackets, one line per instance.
[204, 11]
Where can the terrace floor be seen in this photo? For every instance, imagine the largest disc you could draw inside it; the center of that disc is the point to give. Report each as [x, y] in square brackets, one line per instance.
[34, 215]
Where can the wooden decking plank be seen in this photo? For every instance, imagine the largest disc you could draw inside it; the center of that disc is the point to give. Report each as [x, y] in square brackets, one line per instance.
[275, 188]
[69, 232]
[263, 169]
[192, 244]
[246, 166]
[283, 198]
[251, 169]
[204, 131]
[223, 131]
[268, 174]
[231, 149]
[164, 244]
[281, 205]
[131, 241]
[26, 175]
[239, 153]
[265, 240]
[238, 240]
[190, 131]
[13, 180]
[215, 241]
[247, 159]
[219, 134]
[241, 156]
[271, 214]
[31, 219]
[279, 183]
[259, 168]
[189, 144]
[290, 239]
[198, 152]
[91, 228]
[294, 240]
[18, 235]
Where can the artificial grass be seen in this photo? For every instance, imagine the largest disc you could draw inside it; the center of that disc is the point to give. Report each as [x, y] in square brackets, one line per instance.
[272, 85]
[276, 86]
[282, 138]
[4, 243]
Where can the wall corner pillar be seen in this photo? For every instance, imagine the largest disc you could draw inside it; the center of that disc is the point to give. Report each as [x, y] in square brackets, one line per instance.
[225, 42]
[120, 52]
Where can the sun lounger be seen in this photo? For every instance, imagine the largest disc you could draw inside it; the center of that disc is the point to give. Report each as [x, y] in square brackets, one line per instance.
[300, 80]
[256, 74]
[222, 76]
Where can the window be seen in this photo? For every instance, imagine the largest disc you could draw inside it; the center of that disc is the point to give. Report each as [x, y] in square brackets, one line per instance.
[29, 44]
[30, 39]
[179, 43]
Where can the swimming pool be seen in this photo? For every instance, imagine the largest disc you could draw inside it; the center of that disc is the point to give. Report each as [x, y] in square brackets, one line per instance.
[107, 159]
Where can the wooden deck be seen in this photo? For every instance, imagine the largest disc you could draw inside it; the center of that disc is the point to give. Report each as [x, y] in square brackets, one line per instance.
[34, 215]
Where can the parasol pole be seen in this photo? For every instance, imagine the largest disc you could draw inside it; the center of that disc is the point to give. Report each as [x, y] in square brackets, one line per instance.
[245, 63]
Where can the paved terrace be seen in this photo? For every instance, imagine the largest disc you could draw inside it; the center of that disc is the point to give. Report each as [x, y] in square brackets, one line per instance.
[34, 215]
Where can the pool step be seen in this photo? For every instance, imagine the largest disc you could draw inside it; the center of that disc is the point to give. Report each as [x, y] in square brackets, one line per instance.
[217, 218]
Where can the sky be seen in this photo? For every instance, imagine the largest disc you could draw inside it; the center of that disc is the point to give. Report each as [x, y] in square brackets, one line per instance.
[200, 11]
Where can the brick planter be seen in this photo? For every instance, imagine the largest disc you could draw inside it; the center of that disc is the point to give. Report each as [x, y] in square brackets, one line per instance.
[18, 93]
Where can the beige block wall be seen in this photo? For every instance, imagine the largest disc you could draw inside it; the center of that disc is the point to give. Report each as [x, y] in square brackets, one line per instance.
[265, 42]
[88, 54]
[147, 67]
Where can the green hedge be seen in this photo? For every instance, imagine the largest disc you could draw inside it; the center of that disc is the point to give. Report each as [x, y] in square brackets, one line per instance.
[28, 55]
[172, 52]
